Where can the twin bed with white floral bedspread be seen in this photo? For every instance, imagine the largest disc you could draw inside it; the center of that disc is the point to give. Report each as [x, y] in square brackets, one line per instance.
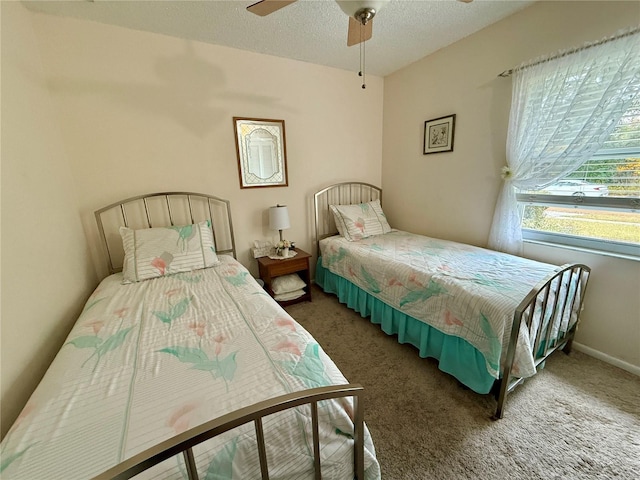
[149, 360]
[489, 318]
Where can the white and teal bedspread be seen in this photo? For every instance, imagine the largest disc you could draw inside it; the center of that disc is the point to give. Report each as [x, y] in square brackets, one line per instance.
[459, 289]
[149, 360]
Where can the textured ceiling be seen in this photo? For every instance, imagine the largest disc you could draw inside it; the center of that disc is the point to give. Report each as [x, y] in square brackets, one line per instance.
[313, 31]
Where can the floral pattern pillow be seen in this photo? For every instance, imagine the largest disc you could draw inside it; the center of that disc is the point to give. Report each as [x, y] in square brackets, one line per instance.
[355, 222]
[155, 252]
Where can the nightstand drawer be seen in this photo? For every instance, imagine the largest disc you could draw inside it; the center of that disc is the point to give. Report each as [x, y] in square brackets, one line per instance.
[288, 266]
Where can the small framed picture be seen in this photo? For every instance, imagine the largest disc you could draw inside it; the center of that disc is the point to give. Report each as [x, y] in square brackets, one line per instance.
[438, 134]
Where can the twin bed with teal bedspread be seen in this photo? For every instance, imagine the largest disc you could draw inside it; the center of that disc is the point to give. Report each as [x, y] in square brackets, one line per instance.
[482, 314]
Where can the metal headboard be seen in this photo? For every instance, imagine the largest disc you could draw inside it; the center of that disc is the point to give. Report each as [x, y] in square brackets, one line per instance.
[162, 210]
[345, 193]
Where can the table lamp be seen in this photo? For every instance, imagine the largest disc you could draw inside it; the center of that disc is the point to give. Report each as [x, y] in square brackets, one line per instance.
[279, 218]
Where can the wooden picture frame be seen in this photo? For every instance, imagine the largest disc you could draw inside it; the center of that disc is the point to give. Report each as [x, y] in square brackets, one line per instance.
[439, 134]
[262, 153]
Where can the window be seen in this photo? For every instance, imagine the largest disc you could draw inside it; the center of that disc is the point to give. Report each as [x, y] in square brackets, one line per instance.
[598, 205]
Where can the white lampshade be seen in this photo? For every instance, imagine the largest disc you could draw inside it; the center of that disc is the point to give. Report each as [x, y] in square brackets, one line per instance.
[279, 218]
[350, 7]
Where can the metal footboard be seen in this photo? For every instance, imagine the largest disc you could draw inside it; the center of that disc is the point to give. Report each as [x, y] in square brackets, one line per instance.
[185, 442]
[544, 312]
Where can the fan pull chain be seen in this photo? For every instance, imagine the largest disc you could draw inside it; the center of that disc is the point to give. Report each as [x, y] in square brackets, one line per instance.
[362, 72]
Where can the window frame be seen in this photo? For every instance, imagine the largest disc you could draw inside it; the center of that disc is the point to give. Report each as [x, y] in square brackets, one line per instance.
[629, 204]
[610, 203]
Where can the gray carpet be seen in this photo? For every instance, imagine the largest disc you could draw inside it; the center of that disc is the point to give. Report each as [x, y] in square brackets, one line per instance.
[579, 418]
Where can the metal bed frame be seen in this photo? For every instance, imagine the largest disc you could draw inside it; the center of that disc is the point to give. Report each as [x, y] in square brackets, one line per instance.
[161, 210]
[185, 442]
[179, 208]
[538, 299]
[344, 193]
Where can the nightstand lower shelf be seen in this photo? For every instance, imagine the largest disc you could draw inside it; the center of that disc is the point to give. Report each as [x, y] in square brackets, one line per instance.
[304, 298]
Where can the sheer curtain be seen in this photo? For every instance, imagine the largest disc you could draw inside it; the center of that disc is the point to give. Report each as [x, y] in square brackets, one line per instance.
[562, 111]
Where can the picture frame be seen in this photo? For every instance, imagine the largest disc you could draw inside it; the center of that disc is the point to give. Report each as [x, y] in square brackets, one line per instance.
[439, 134]
[261, 151]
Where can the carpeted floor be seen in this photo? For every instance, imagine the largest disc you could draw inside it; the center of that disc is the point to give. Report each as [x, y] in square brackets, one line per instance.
[579, 418]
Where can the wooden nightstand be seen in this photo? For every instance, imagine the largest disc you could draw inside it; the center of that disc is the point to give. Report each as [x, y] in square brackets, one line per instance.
[270, 269]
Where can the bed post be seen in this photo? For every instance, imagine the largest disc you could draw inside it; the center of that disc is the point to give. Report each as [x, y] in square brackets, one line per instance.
[506, 370]
[358, 430]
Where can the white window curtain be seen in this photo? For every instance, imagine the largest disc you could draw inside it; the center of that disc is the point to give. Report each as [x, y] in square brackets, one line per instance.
[562, 111]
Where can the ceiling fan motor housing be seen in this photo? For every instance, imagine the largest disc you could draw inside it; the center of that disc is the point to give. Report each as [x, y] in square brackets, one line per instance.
[364, 15]
[361, 10]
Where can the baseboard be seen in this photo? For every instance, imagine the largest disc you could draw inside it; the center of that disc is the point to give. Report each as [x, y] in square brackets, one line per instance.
[607, 358]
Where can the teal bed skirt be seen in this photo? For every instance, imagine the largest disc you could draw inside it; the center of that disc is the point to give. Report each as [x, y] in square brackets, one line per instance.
[455, 355]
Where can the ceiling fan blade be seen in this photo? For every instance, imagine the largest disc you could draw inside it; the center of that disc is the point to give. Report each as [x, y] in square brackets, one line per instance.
[265, 7]
[465, 1]
[358, 32]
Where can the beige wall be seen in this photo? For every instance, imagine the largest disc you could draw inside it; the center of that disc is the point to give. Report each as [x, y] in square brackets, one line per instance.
[452, 195]
[141, 112]
[46, 270]
[135, 112]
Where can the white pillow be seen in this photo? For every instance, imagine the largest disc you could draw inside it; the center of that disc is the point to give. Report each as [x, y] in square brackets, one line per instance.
[155, 252]
[286, 284]
[289, 296]
[355, 222]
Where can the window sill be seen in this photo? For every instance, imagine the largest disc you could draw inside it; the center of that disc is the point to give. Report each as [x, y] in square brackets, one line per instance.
[592, 251]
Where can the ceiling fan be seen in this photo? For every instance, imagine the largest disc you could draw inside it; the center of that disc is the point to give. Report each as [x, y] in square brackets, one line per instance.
[360, 12]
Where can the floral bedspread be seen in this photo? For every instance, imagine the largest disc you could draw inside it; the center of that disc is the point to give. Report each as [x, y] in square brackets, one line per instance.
[149, 360]
[459, 289]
